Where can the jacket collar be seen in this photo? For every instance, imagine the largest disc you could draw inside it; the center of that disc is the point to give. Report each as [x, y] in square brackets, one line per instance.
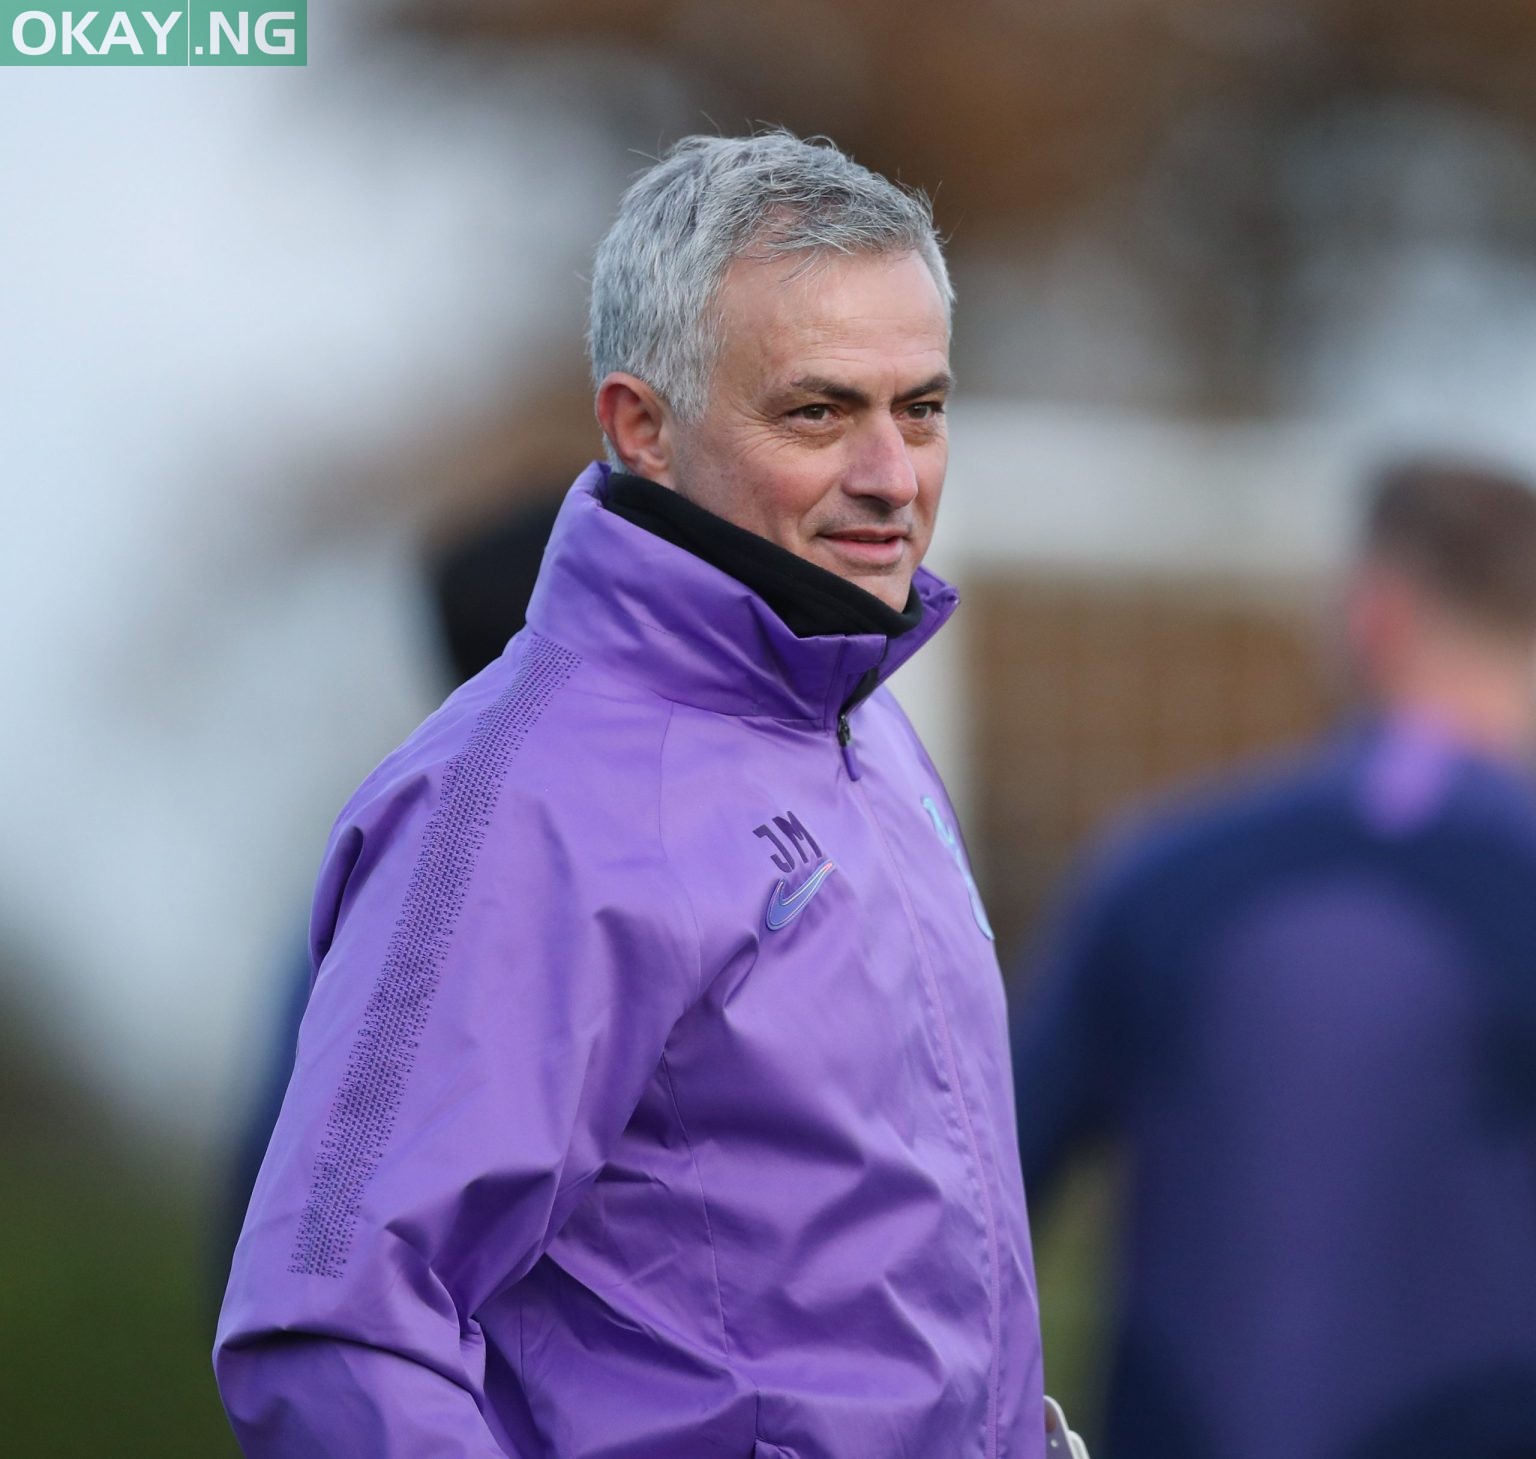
[810, 600]
[649, 611]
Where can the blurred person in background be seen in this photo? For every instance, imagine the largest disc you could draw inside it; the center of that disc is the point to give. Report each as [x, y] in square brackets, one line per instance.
[653, 1093]
[1305, 1002]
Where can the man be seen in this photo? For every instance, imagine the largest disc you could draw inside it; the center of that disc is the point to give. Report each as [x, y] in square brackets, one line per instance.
[1306, 1004]
[653, 1094]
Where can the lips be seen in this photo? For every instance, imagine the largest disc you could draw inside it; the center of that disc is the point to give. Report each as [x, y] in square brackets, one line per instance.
[868, 548]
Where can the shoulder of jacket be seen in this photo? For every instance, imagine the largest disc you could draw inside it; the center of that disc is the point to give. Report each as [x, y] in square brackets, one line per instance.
[530, 730]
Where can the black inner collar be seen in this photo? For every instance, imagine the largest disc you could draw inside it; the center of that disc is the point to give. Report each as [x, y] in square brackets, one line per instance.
[812, 601]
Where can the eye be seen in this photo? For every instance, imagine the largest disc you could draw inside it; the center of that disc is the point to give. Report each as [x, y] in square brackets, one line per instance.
[925, 409]
[814, 413]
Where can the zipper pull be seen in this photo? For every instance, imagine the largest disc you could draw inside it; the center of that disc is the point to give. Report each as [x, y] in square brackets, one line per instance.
[845, 739]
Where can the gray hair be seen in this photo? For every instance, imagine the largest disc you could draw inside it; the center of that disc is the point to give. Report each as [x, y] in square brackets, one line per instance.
[710, 201]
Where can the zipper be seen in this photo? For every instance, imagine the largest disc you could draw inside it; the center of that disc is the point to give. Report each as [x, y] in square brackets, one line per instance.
[845, 741]
[971, 1145]
[868, 683]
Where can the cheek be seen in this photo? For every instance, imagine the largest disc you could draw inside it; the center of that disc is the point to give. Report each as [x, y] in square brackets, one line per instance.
[797, 496]
[931, 468]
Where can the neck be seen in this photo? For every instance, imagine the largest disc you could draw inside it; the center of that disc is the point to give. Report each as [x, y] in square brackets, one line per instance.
[1484, 697]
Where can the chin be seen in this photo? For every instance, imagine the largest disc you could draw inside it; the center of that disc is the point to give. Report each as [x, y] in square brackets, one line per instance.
[890, 591]
[892, 584]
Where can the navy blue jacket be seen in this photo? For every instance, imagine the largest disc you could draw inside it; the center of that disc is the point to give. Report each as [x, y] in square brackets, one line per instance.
[1306, 1006]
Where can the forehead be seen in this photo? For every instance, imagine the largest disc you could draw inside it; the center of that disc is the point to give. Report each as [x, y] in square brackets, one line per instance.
[865, 313]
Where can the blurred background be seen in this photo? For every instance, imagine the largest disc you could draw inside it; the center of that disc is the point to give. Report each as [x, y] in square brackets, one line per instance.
[274, 344]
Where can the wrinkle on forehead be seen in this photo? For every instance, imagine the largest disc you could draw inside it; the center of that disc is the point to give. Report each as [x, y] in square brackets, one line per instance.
[865, 313]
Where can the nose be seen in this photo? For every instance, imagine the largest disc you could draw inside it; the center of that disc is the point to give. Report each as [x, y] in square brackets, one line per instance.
[881, 465]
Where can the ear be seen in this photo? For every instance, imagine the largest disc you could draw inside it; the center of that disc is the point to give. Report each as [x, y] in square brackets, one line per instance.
[638, 424]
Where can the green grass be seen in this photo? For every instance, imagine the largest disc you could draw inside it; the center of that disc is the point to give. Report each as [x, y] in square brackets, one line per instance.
[1073, 1253]
[106, 1308]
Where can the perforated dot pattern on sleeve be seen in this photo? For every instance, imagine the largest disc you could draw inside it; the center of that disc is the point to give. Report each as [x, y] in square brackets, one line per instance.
[363, 1114]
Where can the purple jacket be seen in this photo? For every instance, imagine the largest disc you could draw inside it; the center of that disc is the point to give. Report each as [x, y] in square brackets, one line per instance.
[653, 1095]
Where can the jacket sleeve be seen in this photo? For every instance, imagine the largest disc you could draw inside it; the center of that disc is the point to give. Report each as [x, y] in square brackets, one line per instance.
[1067, 1056]
[497, 992]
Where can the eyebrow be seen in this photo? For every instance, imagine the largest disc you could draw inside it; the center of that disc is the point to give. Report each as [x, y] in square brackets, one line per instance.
[849, 395]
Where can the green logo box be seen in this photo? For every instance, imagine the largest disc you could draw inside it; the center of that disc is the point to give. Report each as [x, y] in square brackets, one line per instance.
[196, 33]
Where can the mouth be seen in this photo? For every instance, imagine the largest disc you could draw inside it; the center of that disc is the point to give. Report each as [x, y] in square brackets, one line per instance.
[868, 547]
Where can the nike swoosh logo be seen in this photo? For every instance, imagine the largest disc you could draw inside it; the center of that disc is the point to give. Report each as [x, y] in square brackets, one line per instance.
[783, 910]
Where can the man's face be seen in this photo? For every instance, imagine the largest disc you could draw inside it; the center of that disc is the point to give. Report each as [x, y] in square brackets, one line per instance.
[825, 430]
